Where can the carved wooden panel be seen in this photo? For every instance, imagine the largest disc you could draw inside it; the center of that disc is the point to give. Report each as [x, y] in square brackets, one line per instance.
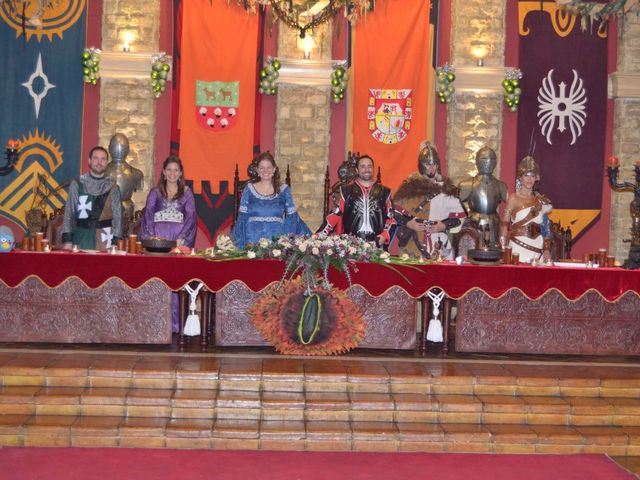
[73, 313]
[390, 318]
[552, 324]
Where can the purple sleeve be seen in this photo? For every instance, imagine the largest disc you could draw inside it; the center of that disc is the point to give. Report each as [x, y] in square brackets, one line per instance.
[188, 232]
[147, 224]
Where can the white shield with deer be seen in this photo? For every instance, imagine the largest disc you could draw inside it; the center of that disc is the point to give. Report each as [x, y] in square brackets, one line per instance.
[217, 104]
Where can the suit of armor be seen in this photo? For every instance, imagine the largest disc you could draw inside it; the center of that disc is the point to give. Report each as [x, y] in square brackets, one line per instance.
[482, 194]
[128, 178]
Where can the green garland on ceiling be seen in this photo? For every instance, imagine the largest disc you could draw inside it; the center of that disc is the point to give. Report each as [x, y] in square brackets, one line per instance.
[591, 12]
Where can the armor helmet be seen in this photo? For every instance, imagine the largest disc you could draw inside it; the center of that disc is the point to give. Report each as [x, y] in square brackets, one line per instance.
[119, 147]
[428, 156]
[486, 160]
[528, 165]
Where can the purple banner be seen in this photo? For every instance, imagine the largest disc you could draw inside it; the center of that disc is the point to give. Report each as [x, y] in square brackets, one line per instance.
[563, 109]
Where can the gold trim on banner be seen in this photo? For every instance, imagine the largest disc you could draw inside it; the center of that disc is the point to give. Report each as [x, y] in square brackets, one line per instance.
[391, 287]
[563, 22]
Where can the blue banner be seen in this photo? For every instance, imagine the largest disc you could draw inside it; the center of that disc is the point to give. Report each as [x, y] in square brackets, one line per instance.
[42, 98]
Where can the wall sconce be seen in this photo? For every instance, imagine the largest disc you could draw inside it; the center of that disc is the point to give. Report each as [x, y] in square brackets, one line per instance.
[127, 38]
[307, 44]
[479, 51]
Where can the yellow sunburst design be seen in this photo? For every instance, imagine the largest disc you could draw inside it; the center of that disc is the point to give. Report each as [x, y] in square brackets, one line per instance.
[55, 18]
[44, 147]
[18, 197]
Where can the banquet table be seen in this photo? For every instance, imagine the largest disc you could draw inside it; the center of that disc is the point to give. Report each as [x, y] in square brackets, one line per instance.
[606, 287]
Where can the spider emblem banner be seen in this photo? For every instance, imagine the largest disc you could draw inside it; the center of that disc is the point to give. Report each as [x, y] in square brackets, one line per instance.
[562, 113]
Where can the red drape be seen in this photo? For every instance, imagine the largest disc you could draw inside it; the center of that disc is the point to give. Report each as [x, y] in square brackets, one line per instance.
[391, 55]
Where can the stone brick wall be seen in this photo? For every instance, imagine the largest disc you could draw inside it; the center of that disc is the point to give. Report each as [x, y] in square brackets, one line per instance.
[128, 105]
[474, 120]
[302, 130]
[140, 17]
[626, 136]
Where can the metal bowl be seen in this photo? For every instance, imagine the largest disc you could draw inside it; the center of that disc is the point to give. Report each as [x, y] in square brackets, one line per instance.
[485, 256]
[158, 245]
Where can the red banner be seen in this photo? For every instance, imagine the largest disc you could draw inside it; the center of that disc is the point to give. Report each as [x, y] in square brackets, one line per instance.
[217, 89]
[390, 82]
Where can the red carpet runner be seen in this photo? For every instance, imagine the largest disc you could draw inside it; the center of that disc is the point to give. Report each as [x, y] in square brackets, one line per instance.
[138, 464]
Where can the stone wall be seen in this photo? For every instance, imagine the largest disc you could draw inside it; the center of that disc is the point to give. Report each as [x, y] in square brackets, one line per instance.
[626, 136]
[302, 129]
[474, 120]
[127, 105]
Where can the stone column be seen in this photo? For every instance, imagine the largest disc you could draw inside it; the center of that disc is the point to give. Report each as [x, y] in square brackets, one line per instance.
[127, 105]
[302, 127]
[473, 119]
[626, 131]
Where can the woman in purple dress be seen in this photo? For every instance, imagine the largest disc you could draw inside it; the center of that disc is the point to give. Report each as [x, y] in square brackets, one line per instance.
[170, 212]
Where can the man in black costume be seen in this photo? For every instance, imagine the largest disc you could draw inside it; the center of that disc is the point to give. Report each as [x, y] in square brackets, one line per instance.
[364, 207]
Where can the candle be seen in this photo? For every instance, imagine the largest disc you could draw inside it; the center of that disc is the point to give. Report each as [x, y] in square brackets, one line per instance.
[613, 161]
[12, 144]
[637, 163]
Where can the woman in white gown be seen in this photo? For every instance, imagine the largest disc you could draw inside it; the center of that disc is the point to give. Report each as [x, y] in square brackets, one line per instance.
[524, 221]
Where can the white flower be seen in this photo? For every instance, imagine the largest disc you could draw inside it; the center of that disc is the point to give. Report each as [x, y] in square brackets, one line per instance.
[263, 243]
[251, 254]
[384, 255]
[329, 251]
[276, 253]
[315, 250]
[352, 250]
[302, 247]
[387, 260]
[405, 256]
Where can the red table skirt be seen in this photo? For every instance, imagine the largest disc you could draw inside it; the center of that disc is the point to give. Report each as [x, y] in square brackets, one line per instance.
[456, 280]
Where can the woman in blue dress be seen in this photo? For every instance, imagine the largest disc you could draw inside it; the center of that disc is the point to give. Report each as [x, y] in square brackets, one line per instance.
[266, 207]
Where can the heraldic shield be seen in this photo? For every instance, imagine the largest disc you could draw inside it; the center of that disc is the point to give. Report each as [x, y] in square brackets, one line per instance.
[389, 114]
[217, 104]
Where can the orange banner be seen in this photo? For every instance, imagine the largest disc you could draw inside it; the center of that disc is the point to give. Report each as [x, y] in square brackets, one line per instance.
[217, 89]
[391, 55]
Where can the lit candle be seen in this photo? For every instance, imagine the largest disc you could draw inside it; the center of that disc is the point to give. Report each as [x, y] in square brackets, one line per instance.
[637, 163]
[613, 161]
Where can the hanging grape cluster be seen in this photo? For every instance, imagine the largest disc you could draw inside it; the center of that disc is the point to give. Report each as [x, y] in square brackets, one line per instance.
[339, 78]
[445, 77]
[268, 75]
[91, 65]
[160, 68]
[512, 90]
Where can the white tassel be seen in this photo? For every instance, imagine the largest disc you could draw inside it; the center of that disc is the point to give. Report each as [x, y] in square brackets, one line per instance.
[192, 325]
[434, 332]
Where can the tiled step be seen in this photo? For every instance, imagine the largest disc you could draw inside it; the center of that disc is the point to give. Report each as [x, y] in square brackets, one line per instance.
[47, 430]
[319, 406]
[312, 375]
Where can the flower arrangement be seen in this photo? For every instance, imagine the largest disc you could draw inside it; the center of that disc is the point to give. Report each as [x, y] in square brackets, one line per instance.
[309, 256]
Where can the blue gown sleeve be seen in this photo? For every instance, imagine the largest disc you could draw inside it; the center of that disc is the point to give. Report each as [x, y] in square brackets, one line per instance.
[292, 221]
[239, 232]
